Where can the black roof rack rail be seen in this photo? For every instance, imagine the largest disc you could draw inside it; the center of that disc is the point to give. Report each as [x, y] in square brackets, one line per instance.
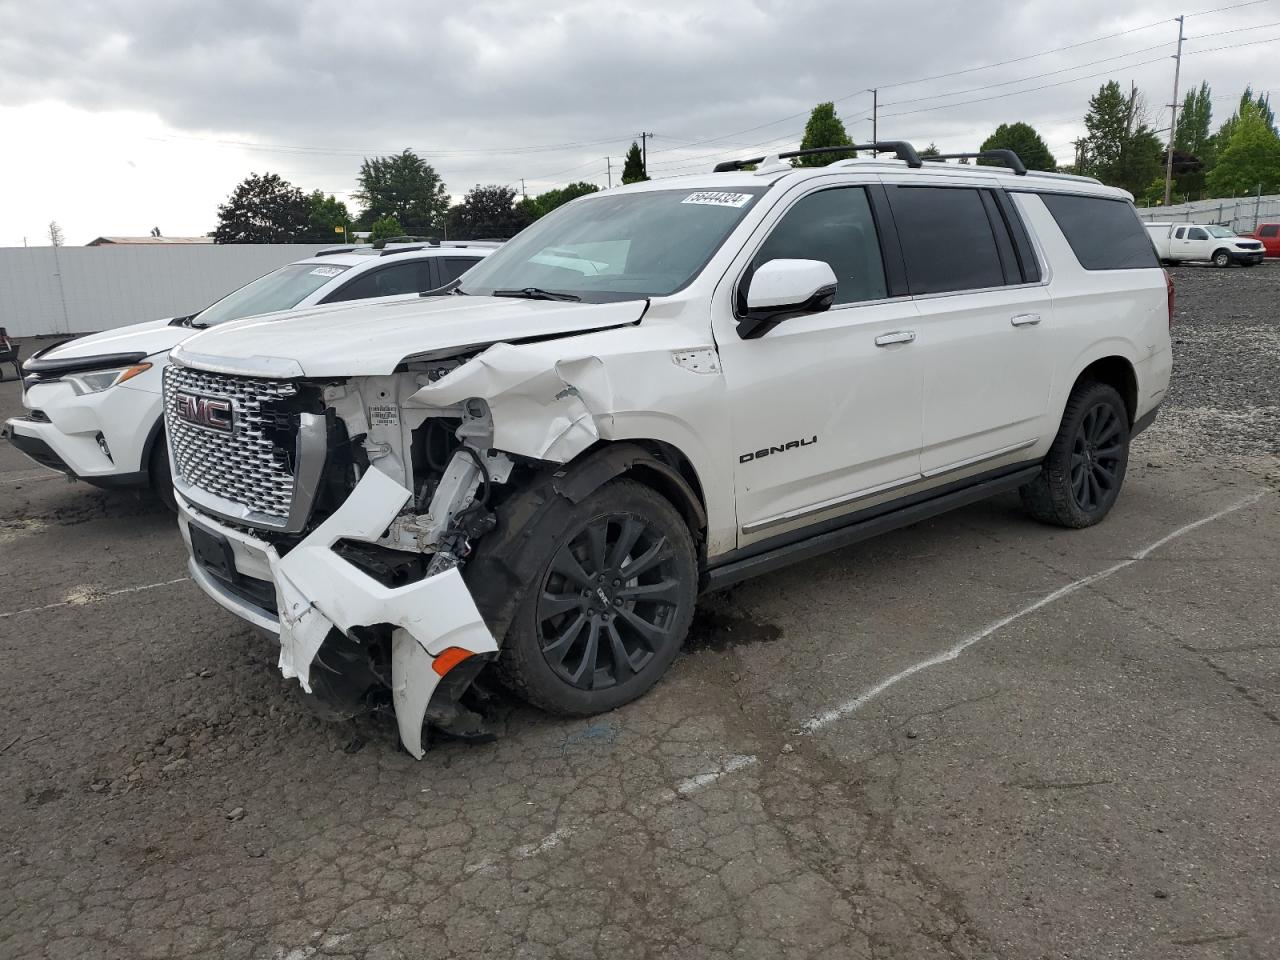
[330, 251]
[899, 148]
[1007, 158]
[408, 249]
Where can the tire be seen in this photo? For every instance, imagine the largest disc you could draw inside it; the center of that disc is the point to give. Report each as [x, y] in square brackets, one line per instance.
[1085, 468]
[610, 607]
[1221, 258]
[162, 475]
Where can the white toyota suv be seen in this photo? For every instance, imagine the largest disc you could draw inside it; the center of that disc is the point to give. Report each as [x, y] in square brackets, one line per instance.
[657, 390]
[93, 404]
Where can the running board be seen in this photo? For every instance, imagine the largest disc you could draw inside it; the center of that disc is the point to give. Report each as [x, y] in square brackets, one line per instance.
[855, 531]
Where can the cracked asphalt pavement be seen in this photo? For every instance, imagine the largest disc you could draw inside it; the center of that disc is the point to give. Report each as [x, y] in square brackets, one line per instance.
[961, 740]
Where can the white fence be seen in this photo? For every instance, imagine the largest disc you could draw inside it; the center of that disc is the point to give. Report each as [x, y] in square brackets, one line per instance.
[48, 290]
[1241, 214]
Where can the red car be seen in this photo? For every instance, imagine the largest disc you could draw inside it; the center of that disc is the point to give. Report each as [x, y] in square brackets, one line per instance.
[1269, 234]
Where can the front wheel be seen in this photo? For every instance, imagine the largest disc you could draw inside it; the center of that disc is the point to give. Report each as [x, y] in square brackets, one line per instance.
[610, 607]
[1222, 259]
[1085, 468]
[162, 474]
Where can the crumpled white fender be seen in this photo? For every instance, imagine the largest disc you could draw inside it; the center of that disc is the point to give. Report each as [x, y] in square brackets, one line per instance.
[318, 590]
[547, 413]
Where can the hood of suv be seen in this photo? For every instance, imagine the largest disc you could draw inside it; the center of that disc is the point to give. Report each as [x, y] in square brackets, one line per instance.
[373, 338]
[146, 338]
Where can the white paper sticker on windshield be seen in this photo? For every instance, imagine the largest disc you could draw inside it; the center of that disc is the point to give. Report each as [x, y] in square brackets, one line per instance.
[715, 198]
[326, 271]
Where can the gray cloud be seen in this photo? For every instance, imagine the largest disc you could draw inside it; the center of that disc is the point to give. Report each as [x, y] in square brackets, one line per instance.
[497, 77]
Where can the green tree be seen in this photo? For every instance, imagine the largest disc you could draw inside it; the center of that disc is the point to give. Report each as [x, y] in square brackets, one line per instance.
[263, 209]
[326, 217]
[1193, 147]
[633, 170]
[823, 129]
[487, 213]
[1250, 158]
[384, 228]
[1023, 140]
[544, 203]
[406, 187]
[930, 151]
[1121, 149]
[1259, 105]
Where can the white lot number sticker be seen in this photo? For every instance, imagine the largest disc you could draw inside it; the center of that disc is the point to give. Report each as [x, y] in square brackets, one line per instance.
[326, 271]
[384, 415]
[714, 198]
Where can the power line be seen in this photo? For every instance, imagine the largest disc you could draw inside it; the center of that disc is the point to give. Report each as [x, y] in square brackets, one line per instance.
[1037, 76]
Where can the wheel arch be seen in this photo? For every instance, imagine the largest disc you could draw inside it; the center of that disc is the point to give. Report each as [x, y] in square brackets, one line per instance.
[1117, 372]
[502, 567]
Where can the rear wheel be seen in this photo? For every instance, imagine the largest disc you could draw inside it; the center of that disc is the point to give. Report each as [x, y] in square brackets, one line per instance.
[610, 607]
[1085, 469]
[1222, 259]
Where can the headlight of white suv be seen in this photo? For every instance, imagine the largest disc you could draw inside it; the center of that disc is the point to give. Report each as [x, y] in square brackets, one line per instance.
[99, 380]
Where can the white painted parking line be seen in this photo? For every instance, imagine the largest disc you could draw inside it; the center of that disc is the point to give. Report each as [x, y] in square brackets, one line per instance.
[33, 476]
[683, 789]
[83, 596]
[829, 717]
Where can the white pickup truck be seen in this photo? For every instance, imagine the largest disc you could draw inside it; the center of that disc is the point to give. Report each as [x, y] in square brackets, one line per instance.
[1184, 242]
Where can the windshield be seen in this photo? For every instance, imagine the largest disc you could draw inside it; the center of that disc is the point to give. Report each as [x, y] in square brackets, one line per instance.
[278, 290]
[616, 247]
[1220, 232]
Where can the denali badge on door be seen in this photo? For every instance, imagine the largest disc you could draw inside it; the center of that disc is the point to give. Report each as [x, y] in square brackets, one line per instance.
[204, 411]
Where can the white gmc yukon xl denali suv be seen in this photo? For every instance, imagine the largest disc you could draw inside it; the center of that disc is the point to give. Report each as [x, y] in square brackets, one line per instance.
[653, 391]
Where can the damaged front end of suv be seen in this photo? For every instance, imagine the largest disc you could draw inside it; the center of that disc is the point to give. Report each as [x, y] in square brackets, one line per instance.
[403, 491]
[343, 514]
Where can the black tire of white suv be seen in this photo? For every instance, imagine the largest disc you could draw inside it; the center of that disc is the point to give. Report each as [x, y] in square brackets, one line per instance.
[1085, 468]
[610, 607]
[1221, 258]
[161, 474]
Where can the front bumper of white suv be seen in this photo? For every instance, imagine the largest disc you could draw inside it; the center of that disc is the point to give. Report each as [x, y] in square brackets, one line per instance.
[302, 597]
[104, 437]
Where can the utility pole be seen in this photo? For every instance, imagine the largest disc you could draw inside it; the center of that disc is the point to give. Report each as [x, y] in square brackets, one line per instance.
[644, 152]
[875, 119]
[1173, 115]
[523, 195]
[608, 170]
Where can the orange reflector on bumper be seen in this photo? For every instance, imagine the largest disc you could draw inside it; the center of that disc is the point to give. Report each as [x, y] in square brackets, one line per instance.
[449, 659]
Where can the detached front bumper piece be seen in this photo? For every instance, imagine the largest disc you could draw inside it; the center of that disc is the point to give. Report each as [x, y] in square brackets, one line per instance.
[310, 591]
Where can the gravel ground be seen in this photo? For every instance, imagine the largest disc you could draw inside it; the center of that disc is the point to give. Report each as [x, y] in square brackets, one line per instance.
[1225, 397]
[975, 738]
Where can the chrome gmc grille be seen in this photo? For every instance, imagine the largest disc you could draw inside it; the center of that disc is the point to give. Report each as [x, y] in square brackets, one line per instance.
[242, 464]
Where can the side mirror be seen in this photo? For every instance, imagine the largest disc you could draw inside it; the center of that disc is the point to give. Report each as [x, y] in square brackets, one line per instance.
[786, 288]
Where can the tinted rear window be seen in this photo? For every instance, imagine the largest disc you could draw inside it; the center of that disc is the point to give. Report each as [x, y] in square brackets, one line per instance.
[1104, 234]
[947, 240]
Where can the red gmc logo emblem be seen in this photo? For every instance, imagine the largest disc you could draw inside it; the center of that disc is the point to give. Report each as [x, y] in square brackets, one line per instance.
[204, 411]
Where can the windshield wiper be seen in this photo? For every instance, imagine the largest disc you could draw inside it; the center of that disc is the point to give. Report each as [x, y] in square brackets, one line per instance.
[536, 293]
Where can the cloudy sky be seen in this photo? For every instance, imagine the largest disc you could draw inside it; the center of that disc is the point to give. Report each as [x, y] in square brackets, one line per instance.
[117, 120]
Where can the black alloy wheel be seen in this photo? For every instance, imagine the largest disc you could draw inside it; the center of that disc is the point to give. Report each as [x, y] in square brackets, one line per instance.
[1085, 467]
[609, 609]
[608, 603]
[1096, 452]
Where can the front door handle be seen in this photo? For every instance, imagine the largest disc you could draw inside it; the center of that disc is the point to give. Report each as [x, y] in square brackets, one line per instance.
[899, 336]
[1025, 320]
